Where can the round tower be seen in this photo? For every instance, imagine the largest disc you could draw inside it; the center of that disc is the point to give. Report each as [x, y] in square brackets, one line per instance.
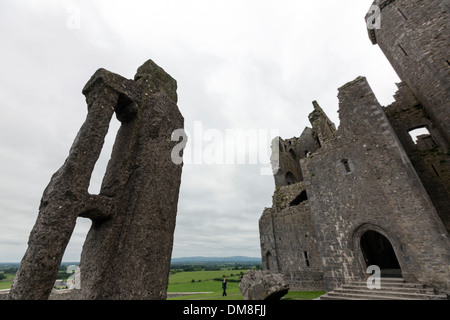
[413, 35]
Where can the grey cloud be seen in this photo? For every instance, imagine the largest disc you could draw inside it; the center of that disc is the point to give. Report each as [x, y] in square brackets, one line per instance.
[250, 65]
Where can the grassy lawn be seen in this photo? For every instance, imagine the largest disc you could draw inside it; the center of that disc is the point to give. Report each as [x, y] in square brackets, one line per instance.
[6, 283]
[182, 282]
[303, 295]
[203, 282]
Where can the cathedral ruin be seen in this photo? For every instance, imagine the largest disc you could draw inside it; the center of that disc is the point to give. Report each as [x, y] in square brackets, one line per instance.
[371, 192]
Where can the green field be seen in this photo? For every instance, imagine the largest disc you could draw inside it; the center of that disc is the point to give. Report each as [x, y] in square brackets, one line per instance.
[209, 283]
[204, 282]
[6, 283]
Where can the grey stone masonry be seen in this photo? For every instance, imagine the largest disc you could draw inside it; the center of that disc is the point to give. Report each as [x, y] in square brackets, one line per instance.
[363, 180]
[373, 192]
[413, 35]
[127, 251]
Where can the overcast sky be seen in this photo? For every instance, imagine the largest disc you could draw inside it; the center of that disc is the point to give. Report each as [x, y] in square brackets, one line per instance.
[253, 65]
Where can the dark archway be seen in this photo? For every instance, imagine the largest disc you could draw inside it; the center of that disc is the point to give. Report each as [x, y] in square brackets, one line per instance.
[377, 250]
[302, 197]
[290, 178]
[293, 154]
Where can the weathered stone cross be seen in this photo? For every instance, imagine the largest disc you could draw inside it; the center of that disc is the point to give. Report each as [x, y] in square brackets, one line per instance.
[127, 252]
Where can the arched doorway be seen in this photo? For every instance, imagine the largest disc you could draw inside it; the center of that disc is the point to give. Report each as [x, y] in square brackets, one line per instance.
[290, 178]
[377, 250]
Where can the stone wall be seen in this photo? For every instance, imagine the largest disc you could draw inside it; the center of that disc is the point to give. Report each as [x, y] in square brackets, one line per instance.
[429, 154]
[287, 239]
[414, 38]
[363, 180]
[369, 180]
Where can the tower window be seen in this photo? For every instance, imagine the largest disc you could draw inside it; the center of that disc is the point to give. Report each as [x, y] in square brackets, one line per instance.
[415, 133]
[422, 138]
[403, 50]
[302, 197]
[401, 12]
[306, 255]
[346, 165]
[435, 171]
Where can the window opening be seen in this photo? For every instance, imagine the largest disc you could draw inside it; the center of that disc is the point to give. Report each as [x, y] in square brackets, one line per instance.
[290, 178]
[435, 171]
[306, 255]
[401, 12]
[404, 51]
[415, 133]
[346, 165]
[302, 197]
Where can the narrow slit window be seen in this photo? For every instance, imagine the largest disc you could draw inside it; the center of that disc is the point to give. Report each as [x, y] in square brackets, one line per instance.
[403, 50]
[306, 255]
[401, 12]
[448, 62]
[435, 171]
[346, 165]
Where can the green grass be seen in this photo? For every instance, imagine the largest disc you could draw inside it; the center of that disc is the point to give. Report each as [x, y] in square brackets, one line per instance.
[187, 277]
[6, 283]
[303, 295]
[203, 282]
[182, 282]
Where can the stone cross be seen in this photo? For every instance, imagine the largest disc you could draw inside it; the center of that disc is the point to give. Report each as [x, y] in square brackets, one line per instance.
[128, 249]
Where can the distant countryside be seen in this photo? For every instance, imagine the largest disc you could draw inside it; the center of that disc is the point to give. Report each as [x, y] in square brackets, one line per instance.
[194, 278]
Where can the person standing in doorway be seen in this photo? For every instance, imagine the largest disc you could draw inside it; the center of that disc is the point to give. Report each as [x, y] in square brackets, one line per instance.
[224, 287]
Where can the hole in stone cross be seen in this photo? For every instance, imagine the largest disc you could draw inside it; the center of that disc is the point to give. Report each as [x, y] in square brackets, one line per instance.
[415, 133]
[72, 254]
[102, 162]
